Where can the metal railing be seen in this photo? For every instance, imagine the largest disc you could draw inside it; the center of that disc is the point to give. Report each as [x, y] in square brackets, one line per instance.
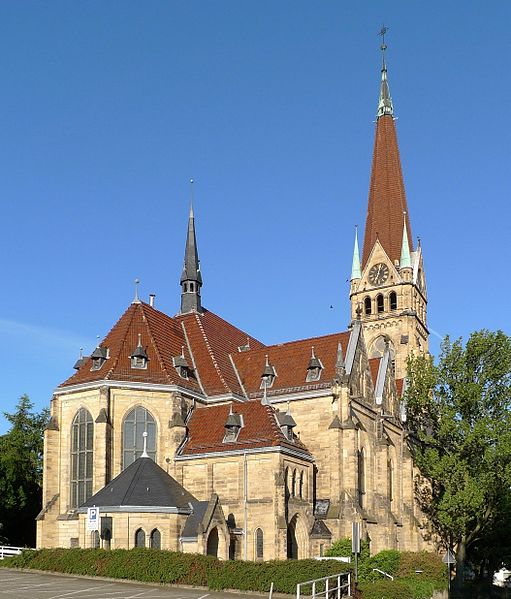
[8, 551]
[384, 573]
[329, 587]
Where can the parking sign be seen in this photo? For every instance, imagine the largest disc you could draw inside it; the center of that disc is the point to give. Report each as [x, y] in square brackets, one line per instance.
[93, 518]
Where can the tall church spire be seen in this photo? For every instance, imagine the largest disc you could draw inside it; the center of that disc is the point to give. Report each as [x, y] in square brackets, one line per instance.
[387, 198]
[191, 279]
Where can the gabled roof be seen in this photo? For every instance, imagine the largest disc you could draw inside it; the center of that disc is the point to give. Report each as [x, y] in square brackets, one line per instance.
[290, 361]
[142, 484]
[206, 430]
[387, 198]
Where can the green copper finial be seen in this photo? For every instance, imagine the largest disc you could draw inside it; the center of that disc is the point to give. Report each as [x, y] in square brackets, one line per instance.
[355, 267]
[406, 260]
[385, 101]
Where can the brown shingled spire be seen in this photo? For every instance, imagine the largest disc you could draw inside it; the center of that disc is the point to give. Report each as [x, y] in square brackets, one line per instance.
[387, 198]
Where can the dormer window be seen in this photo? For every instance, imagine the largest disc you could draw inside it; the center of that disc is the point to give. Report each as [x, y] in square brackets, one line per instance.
[99, 357]
[232, 427]
[268, 375]
[314, 368]
[181, 365]
[286, 423]
[139, 357]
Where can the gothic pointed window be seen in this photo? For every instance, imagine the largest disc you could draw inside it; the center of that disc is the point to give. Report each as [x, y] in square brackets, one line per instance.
[138, 421]
[390, 481]
[380, 307]
[393, 300]
[82, 457]
[155, 539]
[259, 544]
[367, 305]
[140, 538]
[361, 476]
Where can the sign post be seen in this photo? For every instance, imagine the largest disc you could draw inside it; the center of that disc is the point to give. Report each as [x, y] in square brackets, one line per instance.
[449, 559]
[93, 518]
[355, 545]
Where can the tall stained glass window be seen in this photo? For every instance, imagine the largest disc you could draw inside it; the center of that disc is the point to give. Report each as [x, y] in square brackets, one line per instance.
[82, 457]
[135, 423]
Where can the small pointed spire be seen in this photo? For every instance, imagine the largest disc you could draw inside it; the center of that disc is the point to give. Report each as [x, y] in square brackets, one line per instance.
[78, 364]
[191, 278]
[136, 299]
[385, 101]
[406, 260]
[355, 267]
[144, 450]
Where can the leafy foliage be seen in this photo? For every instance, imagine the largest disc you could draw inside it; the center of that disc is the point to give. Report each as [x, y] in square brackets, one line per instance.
[21, 450]
[460, 415]
[342, 548]
[151, 565]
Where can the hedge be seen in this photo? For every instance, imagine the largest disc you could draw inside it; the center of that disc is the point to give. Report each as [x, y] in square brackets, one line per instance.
[152, 565]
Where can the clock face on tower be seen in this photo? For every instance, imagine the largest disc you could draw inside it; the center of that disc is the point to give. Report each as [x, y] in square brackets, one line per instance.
[378, 274]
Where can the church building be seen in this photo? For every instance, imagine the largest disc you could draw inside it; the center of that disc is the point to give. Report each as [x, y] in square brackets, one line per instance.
[191, 435]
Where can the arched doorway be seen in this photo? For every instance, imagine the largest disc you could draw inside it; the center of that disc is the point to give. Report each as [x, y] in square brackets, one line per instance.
[292, 541]
[297, 539]
[212, 547]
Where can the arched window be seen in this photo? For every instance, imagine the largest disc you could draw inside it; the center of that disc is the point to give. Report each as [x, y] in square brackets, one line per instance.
[155, 539]
[367, 305]
[140, 538]
[293, 484]
[286, 481]
[393, 300]
[82, 454]
[361, 476]
[259, 544]
[390, 481]
[300, 486]
[379, 303]
[135, 423]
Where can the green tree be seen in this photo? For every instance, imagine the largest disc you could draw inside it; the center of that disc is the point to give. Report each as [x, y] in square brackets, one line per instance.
[460, 419]
[21, 450]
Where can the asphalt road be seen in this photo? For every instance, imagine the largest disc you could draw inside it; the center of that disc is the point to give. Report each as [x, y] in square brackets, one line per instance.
[34, 585]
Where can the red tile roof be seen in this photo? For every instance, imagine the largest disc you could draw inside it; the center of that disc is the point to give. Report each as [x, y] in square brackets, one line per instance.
[290, 361]
[162, 339]
[212, 340]
[374, 366]
[387, 198]
[206, 429]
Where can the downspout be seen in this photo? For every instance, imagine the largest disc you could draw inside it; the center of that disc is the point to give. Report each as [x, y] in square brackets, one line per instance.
[245, 506]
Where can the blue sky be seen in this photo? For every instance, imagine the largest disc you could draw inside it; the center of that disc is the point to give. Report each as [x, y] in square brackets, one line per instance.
[109, 108]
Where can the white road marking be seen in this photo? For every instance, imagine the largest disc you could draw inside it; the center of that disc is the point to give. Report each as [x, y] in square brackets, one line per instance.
[203, 596]
[78, 591]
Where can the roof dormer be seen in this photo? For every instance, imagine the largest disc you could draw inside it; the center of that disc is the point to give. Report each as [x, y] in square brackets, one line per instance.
[181, 364]
[139, 357]
[232, 426]
[314, 368]
[99, 356]
[268, 375]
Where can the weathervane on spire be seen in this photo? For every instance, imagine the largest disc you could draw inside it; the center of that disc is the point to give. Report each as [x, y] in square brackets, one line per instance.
[383, 46]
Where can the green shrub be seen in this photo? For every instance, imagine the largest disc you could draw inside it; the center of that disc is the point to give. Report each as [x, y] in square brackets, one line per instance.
[385, 589]
[387, 561]
[150, 565]
[342, 548]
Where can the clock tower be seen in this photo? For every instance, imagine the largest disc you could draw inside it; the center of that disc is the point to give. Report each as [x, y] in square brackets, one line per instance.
[388, 287]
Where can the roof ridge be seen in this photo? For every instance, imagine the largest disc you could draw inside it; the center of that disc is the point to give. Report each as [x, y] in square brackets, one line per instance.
[211, 353]
[153, 341]
[125, 334]
[319, 337]
[134, 480]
